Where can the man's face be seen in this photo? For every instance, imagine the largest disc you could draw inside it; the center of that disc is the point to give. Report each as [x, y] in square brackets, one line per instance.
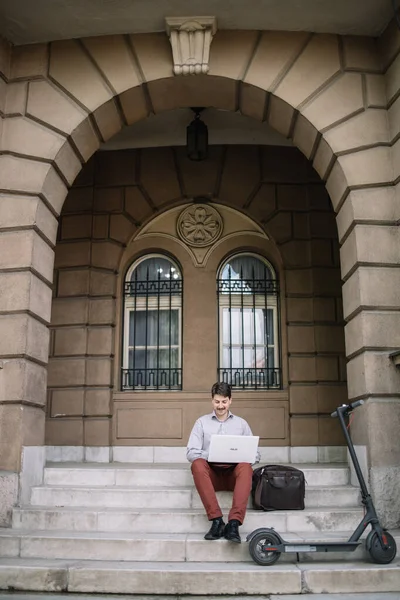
[221, 406]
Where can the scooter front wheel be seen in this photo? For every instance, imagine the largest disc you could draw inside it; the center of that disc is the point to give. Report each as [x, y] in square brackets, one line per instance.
[380, 555]
[258, 548]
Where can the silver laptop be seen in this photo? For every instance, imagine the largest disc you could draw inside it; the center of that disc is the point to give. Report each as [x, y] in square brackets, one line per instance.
[233, 448]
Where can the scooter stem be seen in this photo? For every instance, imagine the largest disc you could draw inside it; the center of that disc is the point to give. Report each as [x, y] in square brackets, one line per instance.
[353, 455]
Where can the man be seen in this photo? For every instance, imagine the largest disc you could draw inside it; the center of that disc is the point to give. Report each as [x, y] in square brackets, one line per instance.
[210, 478]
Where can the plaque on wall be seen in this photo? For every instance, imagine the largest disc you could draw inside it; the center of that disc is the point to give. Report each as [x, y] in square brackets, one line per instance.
[199, 225]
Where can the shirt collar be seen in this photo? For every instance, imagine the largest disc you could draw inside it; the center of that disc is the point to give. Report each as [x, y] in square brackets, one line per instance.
[214, 416]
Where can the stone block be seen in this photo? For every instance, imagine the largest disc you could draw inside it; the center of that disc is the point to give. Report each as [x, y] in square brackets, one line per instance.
[231, 53]
[70, 341]
[29, 62]
[323, 225]
[280, 116]
[85, 139]
[69, 311]
[23, 335]
[279, 227]
[98, 372]
[8, 497]
[97, 432]
[329, 432]
[21, 291]
[73, 282]
[15, 104]
[394, 119]
[303, 399]
[165, 187]
[100, 340]
[101, 226]
[10, 438]
[376, 91]
[303, 431]
[264, 202]
[299, 310]
[389, 43]
[329, 338]
[78, 200]
[121, 228]
[372, 244]
[49, 104]
[106, 255]
[26, 137]
[5, 57]
[324, 309]
[274, 166]
[304, 136]
[302, 368]
[327, 368]
[86, 175]
[153, 52]
[25, 211]
[98, 402]
[393, 79]
[101, 312]
[116, 168]
[252, 102]
[326, 282]
[321, 253]
[108, 120]
[296, 253]
[66, 403]
[371, 286]
[377, 329]
[102, 283]
[329, 397]
[323, 159]
[365, 129]
[372, 373]
[134, 105]
[368, 205]
[361, 53]
[202, 90]
[23, 175]
[387, 505]
[95, 92]
[76, 227]
[64, 432]
[72, 254]
[301, 226]
[314, 67]
[69, 162]
[114, 58]
[136, 205]
[344, 97]
[300, 339]
[108, 199]
[299, 281]
[318, 197]
[274, 55]
[366, 167]
[23, 381]
[292, 197]
[65, 372]
[195, 179]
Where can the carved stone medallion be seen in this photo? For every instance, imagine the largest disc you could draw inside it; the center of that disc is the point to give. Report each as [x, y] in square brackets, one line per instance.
[199, 225]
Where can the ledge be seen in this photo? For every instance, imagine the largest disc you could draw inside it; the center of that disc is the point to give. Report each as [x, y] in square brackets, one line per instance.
[395, 356]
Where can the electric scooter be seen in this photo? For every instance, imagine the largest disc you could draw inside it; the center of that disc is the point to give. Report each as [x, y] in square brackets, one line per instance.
[266, 545]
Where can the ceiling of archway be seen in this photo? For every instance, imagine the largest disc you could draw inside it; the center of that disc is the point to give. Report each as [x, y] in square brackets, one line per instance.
[30, 21]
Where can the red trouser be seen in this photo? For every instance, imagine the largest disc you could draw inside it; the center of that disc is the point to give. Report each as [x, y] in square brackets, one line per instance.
[210, 480]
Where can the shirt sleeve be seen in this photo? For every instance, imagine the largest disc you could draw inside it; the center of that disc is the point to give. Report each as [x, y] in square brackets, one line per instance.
[247, 431]
[195, 444]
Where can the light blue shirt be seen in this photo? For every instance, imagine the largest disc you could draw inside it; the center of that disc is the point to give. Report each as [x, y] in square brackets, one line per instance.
[200, 437]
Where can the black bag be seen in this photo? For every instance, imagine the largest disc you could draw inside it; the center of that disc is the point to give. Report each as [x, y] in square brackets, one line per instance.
[278, 488]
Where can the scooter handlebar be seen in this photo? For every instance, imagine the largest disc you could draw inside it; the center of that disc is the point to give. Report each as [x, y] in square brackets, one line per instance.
[347, 407]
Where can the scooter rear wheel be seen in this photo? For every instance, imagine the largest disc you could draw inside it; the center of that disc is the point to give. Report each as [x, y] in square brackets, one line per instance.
[258, 548]
[382, 556]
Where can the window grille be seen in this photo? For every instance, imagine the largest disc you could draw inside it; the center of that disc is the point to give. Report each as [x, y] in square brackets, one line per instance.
[152, 345]
[248, 324]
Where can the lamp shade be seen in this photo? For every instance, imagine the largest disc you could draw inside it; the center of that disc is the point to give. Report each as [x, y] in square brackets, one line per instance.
[197, 139]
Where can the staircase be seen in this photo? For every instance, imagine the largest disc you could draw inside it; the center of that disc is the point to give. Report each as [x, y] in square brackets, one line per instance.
[138, 529]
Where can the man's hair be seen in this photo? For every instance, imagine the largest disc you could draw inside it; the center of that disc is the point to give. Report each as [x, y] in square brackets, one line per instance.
[221, 389]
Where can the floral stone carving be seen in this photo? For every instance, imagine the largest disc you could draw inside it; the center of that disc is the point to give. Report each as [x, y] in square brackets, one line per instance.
[199, 225]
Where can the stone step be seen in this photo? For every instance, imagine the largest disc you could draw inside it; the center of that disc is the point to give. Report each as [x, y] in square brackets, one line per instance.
[166, 475]
[151, 547]
[346, 596]
[178, 520]
[343, 496]
[196, 578]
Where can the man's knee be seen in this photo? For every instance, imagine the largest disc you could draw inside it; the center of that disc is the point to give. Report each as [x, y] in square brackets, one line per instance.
[244, 470]
[199, 466]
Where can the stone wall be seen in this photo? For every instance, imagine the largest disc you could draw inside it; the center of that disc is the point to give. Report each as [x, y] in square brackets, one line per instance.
[115, 194]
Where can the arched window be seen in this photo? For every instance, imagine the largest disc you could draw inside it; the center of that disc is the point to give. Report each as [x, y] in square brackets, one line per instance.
[152, 341]
[249, 344]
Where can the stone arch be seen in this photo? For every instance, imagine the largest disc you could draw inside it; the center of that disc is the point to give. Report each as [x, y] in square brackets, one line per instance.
[63, 99]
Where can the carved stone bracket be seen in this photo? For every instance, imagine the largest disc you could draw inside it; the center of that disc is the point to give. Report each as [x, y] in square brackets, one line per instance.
[191, 39]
